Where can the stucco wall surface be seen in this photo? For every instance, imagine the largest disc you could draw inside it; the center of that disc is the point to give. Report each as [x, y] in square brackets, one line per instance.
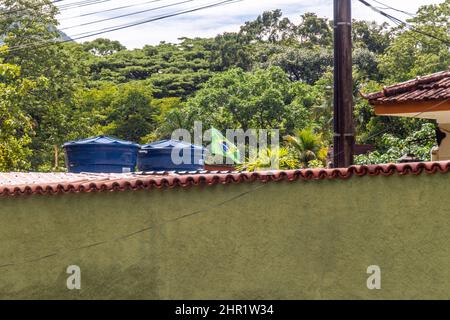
[285, 240]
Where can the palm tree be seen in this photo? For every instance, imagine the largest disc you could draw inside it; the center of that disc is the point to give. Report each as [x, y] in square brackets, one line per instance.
[308, 146]
[267, 158]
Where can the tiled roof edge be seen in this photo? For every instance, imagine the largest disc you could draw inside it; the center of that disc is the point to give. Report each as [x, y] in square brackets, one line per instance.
[184, 181]
[406, 86]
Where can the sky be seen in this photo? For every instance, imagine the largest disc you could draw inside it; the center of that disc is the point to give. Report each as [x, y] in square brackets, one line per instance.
[204, 23]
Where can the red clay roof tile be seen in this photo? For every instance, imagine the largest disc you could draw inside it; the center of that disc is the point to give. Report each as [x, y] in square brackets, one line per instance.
[432, 87]
[13, 184]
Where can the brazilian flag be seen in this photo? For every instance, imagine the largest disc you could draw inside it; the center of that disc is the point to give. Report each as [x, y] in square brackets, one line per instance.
[223, 147]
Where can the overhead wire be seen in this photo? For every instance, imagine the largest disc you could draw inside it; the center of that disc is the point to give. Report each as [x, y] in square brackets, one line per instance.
[81, 4]
[128, 25]
[61, 8]
[124, 26]
[88, 34]
[403, 23]
[395, 9]
[109, 10]
[126, 15]
[2, 13]
[400, 22]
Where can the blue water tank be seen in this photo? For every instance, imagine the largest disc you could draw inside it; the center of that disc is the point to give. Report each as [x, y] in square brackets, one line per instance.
[157, 156]
[101, 154]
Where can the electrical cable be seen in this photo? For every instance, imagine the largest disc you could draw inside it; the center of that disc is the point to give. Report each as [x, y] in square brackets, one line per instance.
[126, 15]
[73, 5]
[121, 27]
[124, 26]
[403, 23]
[81, 4]
[24, 9]
[108, 10]
[392, 8]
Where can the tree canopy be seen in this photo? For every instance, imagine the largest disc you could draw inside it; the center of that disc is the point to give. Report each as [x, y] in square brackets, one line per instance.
[271, 73]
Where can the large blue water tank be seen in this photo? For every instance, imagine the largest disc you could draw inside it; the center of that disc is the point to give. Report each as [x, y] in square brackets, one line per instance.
[101, 154]
[157, 156]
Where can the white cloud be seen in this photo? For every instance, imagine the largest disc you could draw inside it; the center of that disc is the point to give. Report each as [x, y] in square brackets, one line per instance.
[208, 22]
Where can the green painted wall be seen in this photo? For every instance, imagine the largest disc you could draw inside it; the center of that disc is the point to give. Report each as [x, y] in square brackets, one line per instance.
[288, 240]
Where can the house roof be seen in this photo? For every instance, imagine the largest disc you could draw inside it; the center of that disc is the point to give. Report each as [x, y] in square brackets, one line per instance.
[427, 88]
[15, 184]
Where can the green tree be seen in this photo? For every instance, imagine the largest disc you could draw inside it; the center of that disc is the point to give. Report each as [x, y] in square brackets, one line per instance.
[365, 65]
[128, 111]
[268, 27]
[307, 146]
[314, 31]
[413, 52]
[173, 70]
[103, 47]
[15, 126]
[321, 95]
[166, 119]
[31, 39]
[371, 36]
[231, 50]
[391, 148]
[248, 100]
[267, 157]
[303, 64]
[132, 114]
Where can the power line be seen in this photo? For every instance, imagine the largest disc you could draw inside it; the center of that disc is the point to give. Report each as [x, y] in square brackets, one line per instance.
[81, 4]
[125, 26]
[62, 8]
[71, 4]
[403, 23]
[392, 18]
[126, 15]
[109, 10]
[392, 8]
[26, 8]
[121, 27]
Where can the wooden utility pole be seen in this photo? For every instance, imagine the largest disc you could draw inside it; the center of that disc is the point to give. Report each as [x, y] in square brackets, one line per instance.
[344, 136]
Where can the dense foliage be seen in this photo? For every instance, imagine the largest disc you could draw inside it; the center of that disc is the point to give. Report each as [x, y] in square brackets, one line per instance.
[272, 73]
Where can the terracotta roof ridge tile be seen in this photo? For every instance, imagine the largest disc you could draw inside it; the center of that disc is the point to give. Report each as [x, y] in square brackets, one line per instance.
[122, 182]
